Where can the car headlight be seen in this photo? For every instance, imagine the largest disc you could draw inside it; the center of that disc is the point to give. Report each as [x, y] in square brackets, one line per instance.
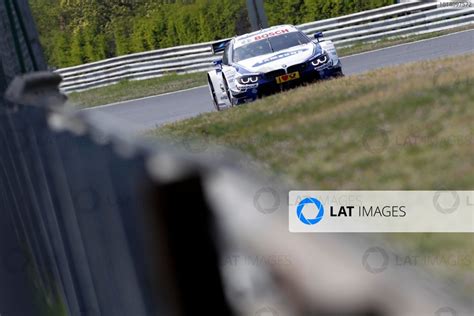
[247, 79]
[320, 60]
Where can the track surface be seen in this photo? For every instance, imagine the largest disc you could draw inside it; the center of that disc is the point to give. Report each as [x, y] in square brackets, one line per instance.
[146, 113]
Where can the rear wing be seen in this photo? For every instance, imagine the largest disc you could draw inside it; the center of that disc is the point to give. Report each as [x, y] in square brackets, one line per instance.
[218, 47]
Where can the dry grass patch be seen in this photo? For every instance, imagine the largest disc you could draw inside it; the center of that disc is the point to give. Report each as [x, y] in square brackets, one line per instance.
[406, 127]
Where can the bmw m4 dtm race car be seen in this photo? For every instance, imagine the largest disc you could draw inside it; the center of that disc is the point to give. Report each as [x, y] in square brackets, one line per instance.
[267, 61]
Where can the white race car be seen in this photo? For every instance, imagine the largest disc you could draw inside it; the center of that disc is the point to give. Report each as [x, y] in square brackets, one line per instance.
[267, 61]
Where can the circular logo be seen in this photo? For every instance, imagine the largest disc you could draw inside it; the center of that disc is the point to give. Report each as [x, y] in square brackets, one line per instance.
[446, 76]
[378, 252]
[266, 209]
[89, 311]
[266, 311]
[87, 200]
[376, 140]
[195, 145]
[16, 261]
[446, 311]
[303, 218]
[443, 208]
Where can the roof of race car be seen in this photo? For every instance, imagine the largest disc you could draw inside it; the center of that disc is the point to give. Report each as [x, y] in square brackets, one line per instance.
[262, 34]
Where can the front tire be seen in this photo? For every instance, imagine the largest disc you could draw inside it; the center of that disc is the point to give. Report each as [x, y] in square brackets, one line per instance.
[338, 73]
[213, 94]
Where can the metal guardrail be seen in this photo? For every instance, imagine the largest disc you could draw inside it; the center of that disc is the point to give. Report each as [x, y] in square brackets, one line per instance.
[395, 20]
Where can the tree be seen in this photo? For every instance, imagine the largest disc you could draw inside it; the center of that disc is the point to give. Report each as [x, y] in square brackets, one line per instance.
[77, 31]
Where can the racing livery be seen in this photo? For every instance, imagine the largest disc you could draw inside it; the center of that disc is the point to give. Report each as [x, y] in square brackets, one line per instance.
[267, 61]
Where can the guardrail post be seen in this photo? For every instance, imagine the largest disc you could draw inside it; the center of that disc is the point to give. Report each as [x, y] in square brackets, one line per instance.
[38, 88]
[257, 16]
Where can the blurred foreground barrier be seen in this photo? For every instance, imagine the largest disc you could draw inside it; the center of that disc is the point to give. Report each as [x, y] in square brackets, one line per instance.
[402, 19]
[116, 226]
[103, 235]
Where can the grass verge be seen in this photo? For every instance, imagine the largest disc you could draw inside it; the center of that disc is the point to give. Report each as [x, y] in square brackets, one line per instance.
[133, 89]
[393, 128]
[381, 127]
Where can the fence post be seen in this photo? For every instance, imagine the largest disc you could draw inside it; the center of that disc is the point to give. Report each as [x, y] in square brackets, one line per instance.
[257, 16]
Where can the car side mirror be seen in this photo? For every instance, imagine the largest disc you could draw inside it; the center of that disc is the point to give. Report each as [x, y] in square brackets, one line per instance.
[318, 35]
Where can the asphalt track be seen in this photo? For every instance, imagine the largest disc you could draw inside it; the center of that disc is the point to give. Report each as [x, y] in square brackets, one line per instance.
[146, 113]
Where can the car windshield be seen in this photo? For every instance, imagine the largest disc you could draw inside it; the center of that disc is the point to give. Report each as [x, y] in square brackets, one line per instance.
[270, 45]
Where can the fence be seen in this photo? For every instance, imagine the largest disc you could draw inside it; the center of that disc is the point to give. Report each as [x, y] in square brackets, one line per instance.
[109, 225]
[75, 203]
[395, 20]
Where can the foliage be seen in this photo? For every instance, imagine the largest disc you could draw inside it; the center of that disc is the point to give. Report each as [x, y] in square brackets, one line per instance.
[73, 32]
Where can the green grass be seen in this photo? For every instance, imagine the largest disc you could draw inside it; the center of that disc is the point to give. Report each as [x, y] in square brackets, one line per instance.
[333, 132]
[133, 89]
[364, 46]
[407, 128]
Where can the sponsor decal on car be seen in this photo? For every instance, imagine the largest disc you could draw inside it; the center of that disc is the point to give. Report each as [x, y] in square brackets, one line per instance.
[270, 34]
[279, 56]
[287, 77]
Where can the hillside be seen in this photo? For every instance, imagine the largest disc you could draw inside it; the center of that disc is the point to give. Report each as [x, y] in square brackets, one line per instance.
[73, 32]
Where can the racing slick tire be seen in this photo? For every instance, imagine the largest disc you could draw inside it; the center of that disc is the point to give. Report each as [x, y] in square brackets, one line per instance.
[213, 94]
[339, 73]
